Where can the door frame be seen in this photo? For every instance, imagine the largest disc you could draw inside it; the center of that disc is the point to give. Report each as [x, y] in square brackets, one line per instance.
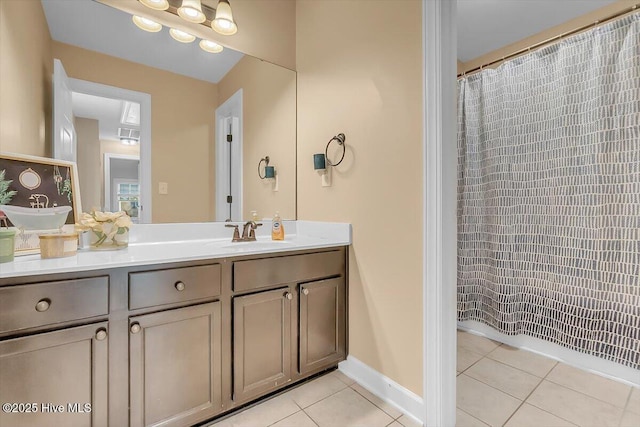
[231, 108]
[439, 212]
[107, 175]
[144, 99]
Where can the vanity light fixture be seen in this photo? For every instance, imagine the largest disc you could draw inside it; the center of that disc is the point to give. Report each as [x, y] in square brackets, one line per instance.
[146, 24]
[321, 161]
[191, 11]
[181, 36]
[128, 141]
[156, 4]
[223, 22]
[269, 172]
[209, 46]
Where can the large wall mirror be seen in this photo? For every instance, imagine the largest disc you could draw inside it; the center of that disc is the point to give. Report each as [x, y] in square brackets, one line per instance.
[154, 118]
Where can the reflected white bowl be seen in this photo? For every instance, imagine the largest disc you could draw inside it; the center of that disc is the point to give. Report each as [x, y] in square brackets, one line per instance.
[36, 218]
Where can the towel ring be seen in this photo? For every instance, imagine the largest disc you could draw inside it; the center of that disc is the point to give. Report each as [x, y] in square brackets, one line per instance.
[265, 159]
[340, 138]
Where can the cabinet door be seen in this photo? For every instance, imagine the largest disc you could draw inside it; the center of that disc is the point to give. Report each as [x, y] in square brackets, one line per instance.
[322, 324]
[262, 342]
[175, 366]
[60, 375]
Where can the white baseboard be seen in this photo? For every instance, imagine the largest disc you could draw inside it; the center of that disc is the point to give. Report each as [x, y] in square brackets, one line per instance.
[385, 388]
[596, 365]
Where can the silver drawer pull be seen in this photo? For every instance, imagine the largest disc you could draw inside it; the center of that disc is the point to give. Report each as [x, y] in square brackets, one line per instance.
[288, 295]
[101, 334]
[305, 291]
[179, 286]
[135, 328]
[43, 305]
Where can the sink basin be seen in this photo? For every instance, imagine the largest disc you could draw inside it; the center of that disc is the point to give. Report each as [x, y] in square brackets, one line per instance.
[250, 246]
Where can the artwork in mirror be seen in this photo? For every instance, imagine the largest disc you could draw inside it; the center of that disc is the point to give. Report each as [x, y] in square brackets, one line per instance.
[185, 140]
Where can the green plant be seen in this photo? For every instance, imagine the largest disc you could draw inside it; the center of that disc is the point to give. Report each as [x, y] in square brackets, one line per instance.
[5, 194]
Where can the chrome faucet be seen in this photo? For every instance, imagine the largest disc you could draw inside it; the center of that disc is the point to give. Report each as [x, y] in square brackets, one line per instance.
[248, 232]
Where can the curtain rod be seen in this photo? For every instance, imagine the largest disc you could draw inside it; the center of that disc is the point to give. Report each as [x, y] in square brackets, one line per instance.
[553, 39]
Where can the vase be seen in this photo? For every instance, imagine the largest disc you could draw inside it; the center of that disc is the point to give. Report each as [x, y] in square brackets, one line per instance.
[101, 240]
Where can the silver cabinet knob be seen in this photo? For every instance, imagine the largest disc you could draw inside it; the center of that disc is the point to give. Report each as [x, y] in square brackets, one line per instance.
[288, 296]
[135, 328]
[101, 334]
[305, 291]
[43, 305]
[179, 286]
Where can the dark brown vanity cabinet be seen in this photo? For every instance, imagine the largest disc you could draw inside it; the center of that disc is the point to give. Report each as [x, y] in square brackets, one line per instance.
[296, 329]
[261, 342]
[175, 366]
[55, 378]
[168, 345]
[322, 323]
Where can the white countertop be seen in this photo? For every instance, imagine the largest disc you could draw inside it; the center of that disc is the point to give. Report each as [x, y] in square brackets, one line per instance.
[166, 243]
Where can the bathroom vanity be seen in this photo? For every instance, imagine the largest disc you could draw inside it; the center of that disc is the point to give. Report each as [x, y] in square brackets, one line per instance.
[169, 332]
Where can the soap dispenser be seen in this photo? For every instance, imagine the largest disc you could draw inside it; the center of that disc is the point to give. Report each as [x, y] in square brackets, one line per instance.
[277, 229]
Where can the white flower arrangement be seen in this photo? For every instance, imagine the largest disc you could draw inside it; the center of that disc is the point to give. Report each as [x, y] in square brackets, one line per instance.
[106, 226]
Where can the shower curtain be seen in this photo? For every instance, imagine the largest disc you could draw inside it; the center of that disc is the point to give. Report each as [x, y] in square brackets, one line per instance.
[549, 194]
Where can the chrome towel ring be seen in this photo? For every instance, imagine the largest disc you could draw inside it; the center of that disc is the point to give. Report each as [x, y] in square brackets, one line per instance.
[339, 138]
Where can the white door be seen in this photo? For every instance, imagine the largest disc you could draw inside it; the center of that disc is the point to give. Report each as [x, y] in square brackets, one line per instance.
[228, 174]
[64, 133]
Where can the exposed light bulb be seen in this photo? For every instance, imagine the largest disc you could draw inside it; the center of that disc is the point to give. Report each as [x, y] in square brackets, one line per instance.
[181, 36]
[223, 22]
[191, 10]
[146, 24]
[156, 4]
[209, 46]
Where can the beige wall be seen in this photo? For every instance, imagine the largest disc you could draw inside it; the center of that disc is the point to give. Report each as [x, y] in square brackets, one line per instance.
[357, 78]
[266, 29]
[182, 132]
[26, 67]
[88, 160]
[269, 129]
[571, 25]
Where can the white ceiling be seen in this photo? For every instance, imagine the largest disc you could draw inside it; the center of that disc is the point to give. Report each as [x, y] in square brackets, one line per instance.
[95, 26]
[486, 25]
[107, 111]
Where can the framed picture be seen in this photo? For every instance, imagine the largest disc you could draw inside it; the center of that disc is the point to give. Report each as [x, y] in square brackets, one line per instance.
[38, 183]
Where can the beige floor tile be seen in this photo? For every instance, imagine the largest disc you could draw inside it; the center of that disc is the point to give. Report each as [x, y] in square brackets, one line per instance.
[395, 424]
[505, 378]
[342, 377]
[485, 403]
[386, 407]
[525, 360]
[347, 408]
[476, 343]
[573, 406]
[530, 416]
[466, 358]
[408, 421]
[299, 419]
[630, 419]
[593, 385]
[465, 420]
[634, 401]
[316, 390]
[263, 414]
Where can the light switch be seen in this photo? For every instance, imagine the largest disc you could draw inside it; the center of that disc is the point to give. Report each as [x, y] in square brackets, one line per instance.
[163, 188]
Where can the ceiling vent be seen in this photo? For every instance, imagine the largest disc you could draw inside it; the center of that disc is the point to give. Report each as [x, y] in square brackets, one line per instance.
[127, 133]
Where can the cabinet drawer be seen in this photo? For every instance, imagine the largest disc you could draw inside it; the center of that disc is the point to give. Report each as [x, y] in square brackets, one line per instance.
[260, 273]
[175, 285]
[29, 306]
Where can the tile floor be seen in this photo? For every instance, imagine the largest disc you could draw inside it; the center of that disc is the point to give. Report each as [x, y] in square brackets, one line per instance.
[500, 385]
[497, 386]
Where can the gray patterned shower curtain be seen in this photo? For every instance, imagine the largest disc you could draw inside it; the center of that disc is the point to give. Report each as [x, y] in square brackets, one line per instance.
[549, 194]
